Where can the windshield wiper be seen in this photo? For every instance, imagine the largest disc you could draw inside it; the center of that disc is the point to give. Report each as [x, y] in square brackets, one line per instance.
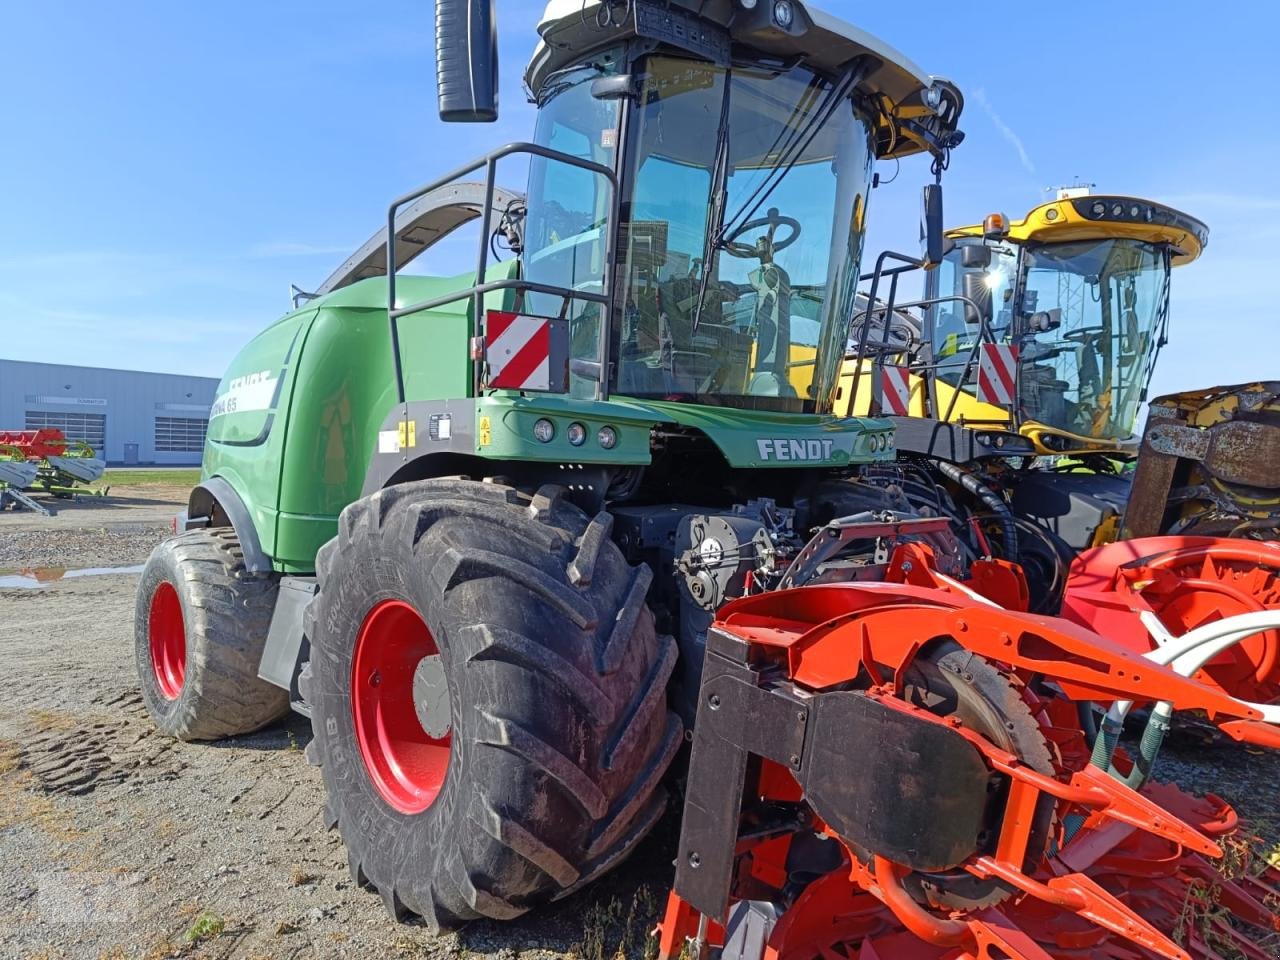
[715, 212]
[805, 134]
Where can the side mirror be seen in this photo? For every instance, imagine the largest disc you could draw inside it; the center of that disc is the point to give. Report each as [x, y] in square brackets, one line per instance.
[467, 60]
[976, 289]
[931, 240]
[975, 255]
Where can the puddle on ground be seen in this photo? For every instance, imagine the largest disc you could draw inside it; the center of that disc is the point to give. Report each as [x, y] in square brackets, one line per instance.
[33, 578]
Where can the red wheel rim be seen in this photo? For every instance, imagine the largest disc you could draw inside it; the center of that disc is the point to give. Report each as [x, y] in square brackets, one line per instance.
[168, 635]
[404, 763]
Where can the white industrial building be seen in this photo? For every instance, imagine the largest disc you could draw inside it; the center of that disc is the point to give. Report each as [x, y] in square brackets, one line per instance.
[127, 416]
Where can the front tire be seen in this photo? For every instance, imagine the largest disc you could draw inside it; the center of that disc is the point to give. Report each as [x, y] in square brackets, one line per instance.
[522, 754]
[200, 624]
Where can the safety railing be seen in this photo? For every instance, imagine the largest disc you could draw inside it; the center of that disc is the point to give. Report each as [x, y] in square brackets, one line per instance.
[886, 308]
[481, 287]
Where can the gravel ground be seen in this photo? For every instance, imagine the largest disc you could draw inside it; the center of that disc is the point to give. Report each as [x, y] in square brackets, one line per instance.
[116, 842]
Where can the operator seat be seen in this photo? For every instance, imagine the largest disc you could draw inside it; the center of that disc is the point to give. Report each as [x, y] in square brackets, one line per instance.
[772, 323]
[1044, 396]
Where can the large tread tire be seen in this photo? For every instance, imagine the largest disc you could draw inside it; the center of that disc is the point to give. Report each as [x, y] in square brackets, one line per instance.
[226, 613]
[561, 733]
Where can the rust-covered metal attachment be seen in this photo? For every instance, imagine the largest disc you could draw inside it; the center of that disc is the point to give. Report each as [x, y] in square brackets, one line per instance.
[1209, 464]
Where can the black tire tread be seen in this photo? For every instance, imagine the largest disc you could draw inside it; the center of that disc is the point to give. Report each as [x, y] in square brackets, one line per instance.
[227, 614]
[598, 663]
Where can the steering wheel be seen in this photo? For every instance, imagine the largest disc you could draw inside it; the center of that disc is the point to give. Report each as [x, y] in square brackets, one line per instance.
[766, 245]
[1082, 335]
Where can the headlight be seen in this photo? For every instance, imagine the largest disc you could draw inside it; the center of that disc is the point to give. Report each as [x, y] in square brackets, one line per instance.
[607, 437]
[544, 430]
[783, 14]
[576, 434]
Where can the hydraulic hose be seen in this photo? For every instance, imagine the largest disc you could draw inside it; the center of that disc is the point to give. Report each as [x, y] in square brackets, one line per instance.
[1144, 764]
[992, 500]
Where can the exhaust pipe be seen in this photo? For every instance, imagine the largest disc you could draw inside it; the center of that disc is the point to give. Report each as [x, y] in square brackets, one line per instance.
[467, 60]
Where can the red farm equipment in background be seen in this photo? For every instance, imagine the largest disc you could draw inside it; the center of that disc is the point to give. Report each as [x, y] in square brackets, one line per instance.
[47, 461]
[1207, 607]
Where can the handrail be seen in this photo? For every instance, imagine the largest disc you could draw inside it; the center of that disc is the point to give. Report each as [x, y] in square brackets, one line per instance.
[478, 290]
[909, 264]
[888, 307]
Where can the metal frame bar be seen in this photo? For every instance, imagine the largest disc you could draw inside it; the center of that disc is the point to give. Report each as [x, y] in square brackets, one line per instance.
[478, 290]
[930, 371]
[909, 264]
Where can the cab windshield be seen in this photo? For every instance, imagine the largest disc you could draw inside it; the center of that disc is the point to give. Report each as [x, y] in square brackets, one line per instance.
[742, 234]
[1088, 333]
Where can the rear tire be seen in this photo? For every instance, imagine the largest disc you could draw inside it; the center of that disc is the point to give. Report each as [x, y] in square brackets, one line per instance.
[200, 624]
[558, 727]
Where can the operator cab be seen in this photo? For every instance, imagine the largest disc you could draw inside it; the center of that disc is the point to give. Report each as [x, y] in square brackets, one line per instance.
[1081, 288]
[744, 155]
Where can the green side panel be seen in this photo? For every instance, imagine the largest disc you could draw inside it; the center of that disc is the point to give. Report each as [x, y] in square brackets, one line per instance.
[347, 388]
[298, 455]
[248, 419]
[435, 345]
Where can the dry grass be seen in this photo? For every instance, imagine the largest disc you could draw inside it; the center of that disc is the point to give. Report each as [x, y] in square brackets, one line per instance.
[47, 721]
[10, 757]
[1202, 913]
[611, 931]
[408, 946]
[19, 805]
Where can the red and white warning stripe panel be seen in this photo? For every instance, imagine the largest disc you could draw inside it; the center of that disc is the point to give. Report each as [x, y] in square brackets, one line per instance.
[997, 373]
[526, 352]
[895, 391]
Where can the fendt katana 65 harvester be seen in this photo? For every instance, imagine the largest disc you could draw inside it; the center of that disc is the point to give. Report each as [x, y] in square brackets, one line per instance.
[486, 531]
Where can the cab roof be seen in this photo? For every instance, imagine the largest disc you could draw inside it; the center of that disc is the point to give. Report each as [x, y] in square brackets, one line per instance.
[1099, 217]
[571, 29]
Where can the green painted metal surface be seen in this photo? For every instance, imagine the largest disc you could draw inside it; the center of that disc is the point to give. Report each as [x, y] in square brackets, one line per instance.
[747, 438]
[297, 416]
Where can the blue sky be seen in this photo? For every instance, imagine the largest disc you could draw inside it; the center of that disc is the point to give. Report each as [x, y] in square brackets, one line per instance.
[168, 169]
